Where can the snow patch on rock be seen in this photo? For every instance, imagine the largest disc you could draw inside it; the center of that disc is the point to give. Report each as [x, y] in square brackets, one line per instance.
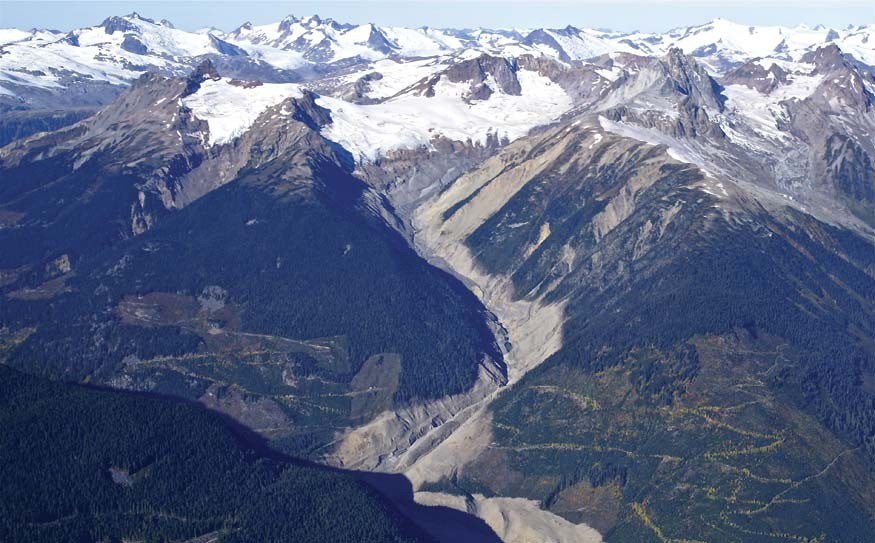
[230, 109]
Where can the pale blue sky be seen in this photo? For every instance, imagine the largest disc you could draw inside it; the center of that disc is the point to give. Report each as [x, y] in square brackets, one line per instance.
[624, 15]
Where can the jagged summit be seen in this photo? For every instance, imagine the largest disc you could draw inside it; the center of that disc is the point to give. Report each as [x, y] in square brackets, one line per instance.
[204, 71]
[121, 47]
[826, 57]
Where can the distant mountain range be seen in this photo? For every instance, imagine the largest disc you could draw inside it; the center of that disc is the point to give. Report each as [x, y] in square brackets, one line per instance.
[39, 65]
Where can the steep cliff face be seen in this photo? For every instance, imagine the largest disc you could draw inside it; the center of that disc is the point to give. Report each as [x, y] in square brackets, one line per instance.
[837, 121]
[478, 73]
[673, 95]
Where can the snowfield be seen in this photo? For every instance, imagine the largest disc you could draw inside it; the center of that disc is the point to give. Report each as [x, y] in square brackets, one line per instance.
[230, 109]
[763, 112]
[408, 121]
[412, 120]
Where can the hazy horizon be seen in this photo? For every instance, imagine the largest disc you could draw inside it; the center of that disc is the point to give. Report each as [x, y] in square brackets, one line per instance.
[624, 16]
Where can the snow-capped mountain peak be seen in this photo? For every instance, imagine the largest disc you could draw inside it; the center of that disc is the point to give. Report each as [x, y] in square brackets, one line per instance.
[39, 68]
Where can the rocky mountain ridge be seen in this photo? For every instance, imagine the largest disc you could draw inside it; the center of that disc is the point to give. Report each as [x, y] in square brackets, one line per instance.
[88, 66]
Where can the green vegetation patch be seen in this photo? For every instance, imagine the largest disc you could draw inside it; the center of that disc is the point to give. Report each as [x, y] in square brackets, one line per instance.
[80, 464]
[730, 458]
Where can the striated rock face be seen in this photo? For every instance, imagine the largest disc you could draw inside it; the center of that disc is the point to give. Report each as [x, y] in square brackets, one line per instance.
[825, 58]
[688, 77]
[480, 73]
[357, 92]
[133, 45]
[765, 125]
[408, 176]
[206, 70]
[477, 71]
[672, 95]
[836, 120]
[227, 49]
[850, 168]
[378, 41]
[119, 24]
[396, 439]
[542, 37]
[585, 83]
[755, 76]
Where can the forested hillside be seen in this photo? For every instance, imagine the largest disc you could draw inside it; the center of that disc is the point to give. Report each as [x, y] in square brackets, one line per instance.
[80, 464]
[281, 286]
